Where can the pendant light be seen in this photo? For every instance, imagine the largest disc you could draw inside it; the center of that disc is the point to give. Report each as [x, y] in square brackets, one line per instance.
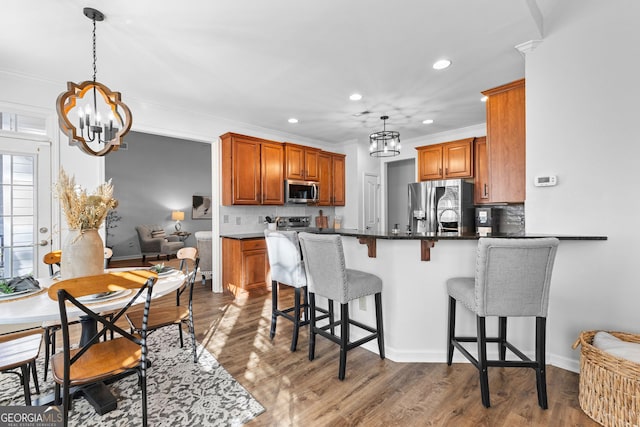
[385, 143]
[102, 118]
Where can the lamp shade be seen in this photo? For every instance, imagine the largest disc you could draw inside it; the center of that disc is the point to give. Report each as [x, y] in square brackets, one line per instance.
[177, 215]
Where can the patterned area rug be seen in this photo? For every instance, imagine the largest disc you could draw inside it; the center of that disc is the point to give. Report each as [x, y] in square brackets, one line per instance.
[180, 392]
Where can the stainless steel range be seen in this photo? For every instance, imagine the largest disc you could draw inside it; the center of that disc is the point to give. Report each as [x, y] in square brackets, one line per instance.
[293, 222]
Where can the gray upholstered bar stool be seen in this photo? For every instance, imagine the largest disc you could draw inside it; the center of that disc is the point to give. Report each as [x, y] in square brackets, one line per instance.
[287, 268]
[512, 280]
[328, 277]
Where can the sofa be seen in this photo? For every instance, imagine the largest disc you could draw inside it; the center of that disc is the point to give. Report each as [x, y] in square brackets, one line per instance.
[205, 251]
[154, 241]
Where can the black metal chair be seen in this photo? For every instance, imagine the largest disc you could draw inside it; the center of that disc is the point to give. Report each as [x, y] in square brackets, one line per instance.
[328, 277]
[97, 361]
[512, 280]
[159, 317]
[20, 350]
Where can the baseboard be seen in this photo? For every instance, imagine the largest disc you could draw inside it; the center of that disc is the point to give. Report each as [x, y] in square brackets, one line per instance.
[440, 356]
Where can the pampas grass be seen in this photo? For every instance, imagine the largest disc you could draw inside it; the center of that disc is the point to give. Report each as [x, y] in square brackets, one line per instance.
[84, 211]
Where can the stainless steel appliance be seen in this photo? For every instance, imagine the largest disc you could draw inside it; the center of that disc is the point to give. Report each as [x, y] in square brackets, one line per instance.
[299, 223]
[301, 191]
[441, 206]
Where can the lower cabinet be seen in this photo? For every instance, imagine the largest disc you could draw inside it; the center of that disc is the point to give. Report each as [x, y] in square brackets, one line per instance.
[245, 265]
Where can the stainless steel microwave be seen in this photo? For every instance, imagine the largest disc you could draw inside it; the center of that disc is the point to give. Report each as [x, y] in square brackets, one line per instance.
[301, 191]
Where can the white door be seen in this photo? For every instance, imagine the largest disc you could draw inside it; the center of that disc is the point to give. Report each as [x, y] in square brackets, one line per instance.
[371, 202]
[25, 205]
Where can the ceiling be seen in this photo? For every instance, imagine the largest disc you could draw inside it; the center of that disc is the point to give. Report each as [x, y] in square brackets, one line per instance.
[261, 62]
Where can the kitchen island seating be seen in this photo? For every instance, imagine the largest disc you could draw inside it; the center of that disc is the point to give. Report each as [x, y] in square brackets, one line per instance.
[328, 277]
[20, 350]
[512, 280]
[96, 361]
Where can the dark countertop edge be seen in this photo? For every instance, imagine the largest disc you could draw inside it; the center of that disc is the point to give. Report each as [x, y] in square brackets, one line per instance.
[404, 236]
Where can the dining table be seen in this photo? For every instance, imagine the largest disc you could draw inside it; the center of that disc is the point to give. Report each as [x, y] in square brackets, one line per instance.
[37, 307]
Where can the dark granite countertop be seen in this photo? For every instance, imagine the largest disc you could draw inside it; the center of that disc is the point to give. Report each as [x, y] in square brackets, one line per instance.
[417, 236]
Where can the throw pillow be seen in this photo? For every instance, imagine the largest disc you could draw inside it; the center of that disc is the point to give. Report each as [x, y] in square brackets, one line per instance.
[157, 233]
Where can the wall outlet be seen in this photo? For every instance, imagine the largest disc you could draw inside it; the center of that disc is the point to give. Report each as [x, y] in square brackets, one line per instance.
[225, 219]
[238, 220]
[362, 302]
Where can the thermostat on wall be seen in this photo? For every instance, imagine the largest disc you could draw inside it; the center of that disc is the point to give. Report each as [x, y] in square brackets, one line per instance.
[545, 181]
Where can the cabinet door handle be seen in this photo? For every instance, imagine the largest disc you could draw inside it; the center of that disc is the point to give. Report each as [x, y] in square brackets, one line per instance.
[486, 192]
[446, 171]
[439, 171]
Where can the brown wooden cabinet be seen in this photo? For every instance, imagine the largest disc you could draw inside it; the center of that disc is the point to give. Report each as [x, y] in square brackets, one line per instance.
[245, 265]
[481, 178]
[446, 161]
[506, 137]
[331, 167]
[301, 163]
[338, 165]
[252, 171]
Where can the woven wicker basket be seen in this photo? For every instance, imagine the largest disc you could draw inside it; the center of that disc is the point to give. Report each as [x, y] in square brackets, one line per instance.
[609, 385]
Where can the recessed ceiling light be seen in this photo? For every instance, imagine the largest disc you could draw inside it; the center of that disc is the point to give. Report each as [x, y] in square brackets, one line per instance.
[484, 98]
[355, 97]
[441, 64]
[293, 120]
[427, 122]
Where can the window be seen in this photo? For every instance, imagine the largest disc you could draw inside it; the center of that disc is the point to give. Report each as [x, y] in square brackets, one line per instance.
[17, 214]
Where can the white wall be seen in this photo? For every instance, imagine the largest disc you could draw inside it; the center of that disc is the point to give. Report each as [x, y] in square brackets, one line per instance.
[582, 113]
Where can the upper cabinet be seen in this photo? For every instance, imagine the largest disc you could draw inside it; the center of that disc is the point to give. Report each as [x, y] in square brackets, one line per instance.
[331, 168]
[301, 163]
[505, 147]
[481, 179]
[252, 171]
[446, 161]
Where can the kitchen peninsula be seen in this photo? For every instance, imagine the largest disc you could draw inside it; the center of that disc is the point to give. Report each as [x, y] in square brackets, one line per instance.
[414, 293]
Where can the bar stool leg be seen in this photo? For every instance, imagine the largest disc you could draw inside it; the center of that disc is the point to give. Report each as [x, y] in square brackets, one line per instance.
[541, 376]
[379, 326]
[274, 308]
[452, 329]
[296, 319]
[312, 325]
[482, 361]
[344, 339]
[502, 338]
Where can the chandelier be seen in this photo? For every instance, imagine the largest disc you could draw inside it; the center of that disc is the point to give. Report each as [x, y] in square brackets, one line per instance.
[385, 143]
[102, 118]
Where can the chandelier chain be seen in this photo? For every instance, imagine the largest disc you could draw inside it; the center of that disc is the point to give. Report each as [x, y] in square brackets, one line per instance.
[95, 69]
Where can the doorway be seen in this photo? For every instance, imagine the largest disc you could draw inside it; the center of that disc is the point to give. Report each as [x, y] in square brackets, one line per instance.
[399, 174]
[25, 205]
[371, 202]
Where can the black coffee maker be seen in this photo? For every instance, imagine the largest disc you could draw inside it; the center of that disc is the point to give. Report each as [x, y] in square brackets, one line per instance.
[487, 221]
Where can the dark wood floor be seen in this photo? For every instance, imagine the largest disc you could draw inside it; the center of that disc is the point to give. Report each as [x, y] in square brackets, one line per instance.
[297, 392]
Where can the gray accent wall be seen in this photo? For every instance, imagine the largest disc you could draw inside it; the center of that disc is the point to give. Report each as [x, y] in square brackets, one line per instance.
[152, 177]
[399, 175]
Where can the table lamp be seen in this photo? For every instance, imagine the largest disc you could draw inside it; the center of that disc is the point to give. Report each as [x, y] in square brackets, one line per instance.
[177, 216]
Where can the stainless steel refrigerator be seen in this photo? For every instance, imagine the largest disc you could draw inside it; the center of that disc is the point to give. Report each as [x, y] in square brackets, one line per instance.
[441, 206]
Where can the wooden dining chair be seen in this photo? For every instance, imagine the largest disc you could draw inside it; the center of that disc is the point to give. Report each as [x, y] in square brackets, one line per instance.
[51, 259]
[20, 350]
[52, 326]
[180, 314]
[96, 360]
